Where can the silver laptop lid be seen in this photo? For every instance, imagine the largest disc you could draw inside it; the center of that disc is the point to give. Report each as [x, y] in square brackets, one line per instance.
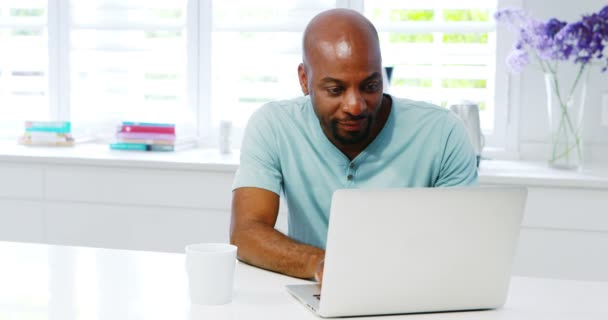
[395, 251]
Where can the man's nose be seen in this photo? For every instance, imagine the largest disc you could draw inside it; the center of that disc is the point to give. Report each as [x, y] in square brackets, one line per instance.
[354, 103]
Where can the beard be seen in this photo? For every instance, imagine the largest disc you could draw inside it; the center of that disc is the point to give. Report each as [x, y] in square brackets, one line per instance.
[352, 137]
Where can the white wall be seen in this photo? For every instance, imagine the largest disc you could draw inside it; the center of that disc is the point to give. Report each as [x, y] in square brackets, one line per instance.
[533, 125]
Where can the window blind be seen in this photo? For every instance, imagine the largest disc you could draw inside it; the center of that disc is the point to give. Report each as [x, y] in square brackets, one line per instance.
[128, 61]
[442, 51]
[24, 85]
[256, 49]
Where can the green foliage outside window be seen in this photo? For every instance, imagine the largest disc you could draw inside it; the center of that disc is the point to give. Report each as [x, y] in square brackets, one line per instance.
[466, 15]
[465, 38]
[410, 38]
[401, 15]
[27, 12]
[26, 32]
[167, 13]
[412, 82]
[464, 83]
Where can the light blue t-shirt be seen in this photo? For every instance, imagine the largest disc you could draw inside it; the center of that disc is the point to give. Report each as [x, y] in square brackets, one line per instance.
[285, 150]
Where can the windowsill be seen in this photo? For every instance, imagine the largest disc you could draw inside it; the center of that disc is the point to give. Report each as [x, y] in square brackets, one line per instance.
[511, 172]
[539, 174]
[91, 154]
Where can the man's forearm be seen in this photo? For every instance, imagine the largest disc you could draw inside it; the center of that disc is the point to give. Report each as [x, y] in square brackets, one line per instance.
[265, 247]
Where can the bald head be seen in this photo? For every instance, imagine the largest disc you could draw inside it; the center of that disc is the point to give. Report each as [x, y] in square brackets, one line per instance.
[338, 33]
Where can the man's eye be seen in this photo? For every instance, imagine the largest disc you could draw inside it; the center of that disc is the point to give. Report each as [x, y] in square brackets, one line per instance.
[372, 86]
[334, 90]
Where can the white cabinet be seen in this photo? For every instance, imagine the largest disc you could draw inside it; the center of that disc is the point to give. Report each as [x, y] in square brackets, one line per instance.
[132, 186]
[137, 227]
[563, 254]
[114, 207]
[564, 234]
[567, 209]
[20, 181]
[147, 206]
[21, 220]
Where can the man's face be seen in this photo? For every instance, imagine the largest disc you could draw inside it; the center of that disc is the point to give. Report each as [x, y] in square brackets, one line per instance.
[345, 86]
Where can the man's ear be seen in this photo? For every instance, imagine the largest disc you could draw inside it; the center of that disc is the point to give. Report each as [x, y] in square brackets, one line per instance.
[303, 79]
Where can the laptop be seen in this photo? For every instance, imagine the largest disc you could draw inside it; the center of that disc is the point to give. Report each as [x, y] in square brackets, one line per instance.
[397, 251]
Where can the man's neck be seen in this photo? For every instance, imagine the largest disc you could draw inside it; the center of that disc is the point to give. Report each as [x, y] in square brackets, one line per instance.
[353, 150]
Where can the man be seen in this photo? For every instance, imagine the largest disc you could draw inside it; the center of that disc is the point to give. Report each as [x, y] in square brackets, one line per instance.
[345, 133]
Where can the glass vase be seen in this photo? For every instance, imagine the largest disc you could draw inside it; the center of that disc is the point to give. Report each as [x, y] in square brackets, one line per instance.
[565, 107]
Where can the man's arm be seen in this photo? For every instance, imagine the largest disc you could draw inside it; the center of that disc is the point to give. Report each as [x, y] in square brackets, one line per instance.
[254, 213]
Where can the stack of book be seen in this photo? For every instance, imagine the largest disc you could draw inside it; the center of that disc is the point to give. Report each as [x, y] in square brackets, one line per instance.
[145, 136]
[47, 133]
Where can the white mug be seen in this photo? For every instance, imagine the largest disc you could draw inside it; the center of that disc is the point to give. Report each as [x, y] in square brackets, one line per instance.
[210, 268]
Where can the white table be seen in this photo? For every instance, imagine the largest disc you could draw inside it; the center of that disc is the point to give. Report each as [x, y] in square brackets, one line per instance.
[67, 283]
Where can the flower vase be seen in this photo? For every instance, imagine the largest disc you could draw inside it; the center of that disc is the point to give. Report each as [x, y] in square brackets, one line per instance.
[565, 107]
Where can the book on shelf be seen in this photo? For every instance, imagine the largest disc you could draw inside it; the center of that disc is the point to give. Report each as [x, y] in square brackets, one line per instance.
[141, 147]
[147, 129]
[147, 124]
[48, 126]
[36, 138]
[145, 136]
[146, 141]
[178, 145]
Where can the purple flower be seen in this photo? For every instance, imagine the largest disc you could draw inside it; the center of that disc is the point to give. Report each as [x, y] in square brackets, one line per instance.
[517, 60]
[553, 26]
[604, 13]
[581, 41]
[515, 18]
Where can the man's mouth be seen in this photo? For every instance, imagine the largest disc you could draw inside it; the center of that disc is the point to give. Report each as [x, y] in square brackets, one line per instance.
[353, 125]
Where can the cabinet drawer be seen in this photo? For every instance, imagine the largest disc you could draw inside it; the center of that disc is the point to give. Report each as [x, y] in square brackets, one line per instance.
[133, 227]
[21, 220]
[19, 181]
[174, 188]
[574, 209]
[561, 254]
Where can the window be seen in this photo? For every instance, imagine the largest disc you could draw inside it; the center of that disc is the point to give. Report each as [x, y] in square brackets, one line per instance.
[24, 64]
[442, 51]
[255, 51]
[197, 62]
[128, 60]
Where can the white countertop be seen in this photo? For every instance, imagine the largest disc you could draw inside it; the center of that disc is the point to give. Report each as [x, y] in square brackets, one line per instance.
[56, 282]
[88, 154]
[540, 174]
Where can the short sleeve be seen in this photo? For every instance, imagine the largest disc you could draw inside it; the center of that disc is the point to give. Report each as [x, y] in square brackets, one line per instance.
[459, 161]
[259, 162]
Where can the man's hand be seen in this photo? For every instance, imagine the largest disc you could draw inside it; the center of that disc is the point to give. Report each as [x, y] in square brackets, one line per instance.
[319, 271]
